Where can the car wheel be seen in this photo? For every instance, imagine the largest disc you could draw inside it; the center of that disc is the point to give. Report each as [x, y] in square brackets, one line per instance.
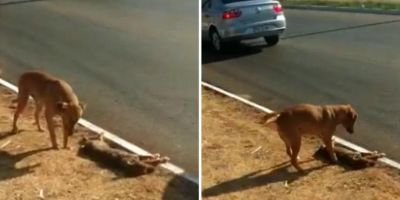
[216, 40]
[272, 40]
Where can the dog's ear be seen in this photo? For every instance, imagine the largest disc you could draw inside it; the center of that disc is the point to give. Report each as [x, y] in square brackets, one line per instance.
[62, 105]
[352, 114]
[82, 105]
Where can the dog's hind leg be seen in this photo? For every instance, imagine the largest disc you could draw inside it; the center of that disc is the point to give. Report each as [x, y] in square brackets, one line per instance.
[287, 145]
[22, 100]
[288, 149]
[295, 147]
[38, 110]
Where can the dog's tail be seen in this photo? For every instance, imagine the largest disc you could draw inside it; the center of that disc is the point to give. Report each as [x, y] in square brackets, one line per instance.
[269, 117]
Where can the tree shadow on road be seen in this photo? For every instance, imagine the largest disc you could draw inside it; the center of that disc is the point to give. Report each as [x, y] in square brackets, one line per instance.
[300, 35]
[278, 173]
[10, 2]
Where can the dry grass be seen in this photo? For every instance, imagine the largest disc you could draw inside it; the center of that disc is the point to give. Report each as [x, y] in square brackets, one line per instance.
[231, 171]
[28, 166]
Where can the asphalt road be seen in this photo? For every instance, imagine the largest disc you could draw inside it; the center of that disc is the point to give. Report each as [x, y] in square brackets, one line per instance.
[135, 63]
[323, 58]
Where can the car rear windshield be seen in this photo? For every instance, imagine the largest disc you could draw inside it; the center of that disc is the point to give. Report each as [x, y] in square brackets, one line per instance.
[233, 1]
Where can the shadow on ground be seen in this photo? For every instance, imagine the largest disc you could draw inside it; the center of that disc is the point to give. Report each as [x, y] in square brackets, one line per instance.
[8, 163]
[5, 134]
[278, 173]
[180, 188]
[231, 51]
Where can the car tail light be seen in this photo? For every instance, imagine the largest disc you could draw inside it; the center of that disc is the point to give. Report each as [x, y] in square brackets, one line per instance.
[230, 14]
[277, 8]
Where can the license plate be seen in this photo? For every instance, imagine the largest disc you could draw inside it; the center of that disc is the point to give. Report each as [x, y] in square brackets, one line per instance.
[261, 29]
[262, 8]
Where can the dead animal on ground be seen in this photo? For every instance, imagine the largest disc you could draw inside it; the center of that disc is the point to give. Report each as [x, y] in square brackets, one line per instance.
[131, 164]
[351, 158]
[54, 95]
[321, 120]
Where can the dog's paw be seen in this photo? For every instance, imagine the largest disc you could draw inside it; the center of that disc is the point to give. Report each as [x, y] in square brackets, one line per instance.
[15, 131]
[67, 148]
[300, 170]
[334, 159]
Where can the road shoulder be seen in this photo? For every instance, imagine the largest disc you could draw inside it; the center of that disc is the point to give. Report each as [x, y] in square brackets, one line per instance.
[28, 167]
[244, 160]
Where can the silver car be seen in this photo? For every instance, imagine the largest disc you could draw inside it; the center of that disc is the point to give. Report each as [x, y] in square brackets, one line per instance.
[235, 20]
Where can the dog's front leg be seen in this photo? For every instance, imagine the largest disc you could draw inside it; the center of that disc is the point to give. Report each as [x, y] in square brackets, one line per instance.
[329, 146]
[50, 125]
[65, 139]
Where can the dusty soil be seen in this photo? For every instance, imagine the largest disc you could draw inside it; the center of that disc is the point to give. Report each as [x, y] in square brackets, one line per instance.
[234, 168]
[28, 166]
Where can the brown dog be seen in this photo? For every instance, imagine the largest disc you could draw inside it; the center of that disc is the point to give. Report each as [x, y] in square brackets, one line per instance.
[298, 120]
[56, 96]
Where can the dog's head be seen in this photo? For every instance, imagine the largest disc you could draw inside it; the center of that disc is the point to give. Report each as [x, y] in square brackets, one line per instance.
[71, 113]
[349, 119]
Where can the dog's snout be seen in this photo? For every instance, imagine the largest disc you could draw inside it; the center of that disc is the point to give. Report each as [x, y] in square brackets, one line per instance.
[351, 131]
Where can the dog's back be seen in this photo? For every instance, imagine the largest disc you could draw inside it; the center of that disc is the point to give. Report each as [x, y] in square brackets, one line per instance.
[34, 83]
[300, 116]
[303, 118]
[45, 87]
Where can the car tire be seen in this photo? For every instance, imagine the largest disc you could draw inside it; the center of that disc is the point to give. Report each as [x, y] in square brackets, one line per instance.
[271, 40]
[216, 41]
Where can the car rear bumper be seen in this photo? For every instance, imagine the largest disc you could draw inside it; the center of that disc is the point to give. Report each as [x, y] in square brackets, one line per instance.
[254, 35]
[260, 29]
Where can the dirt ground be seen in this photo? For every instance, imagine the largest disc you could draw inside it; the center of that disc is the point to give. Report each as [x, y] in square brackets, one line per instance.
[242, 159]
[27, 166]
